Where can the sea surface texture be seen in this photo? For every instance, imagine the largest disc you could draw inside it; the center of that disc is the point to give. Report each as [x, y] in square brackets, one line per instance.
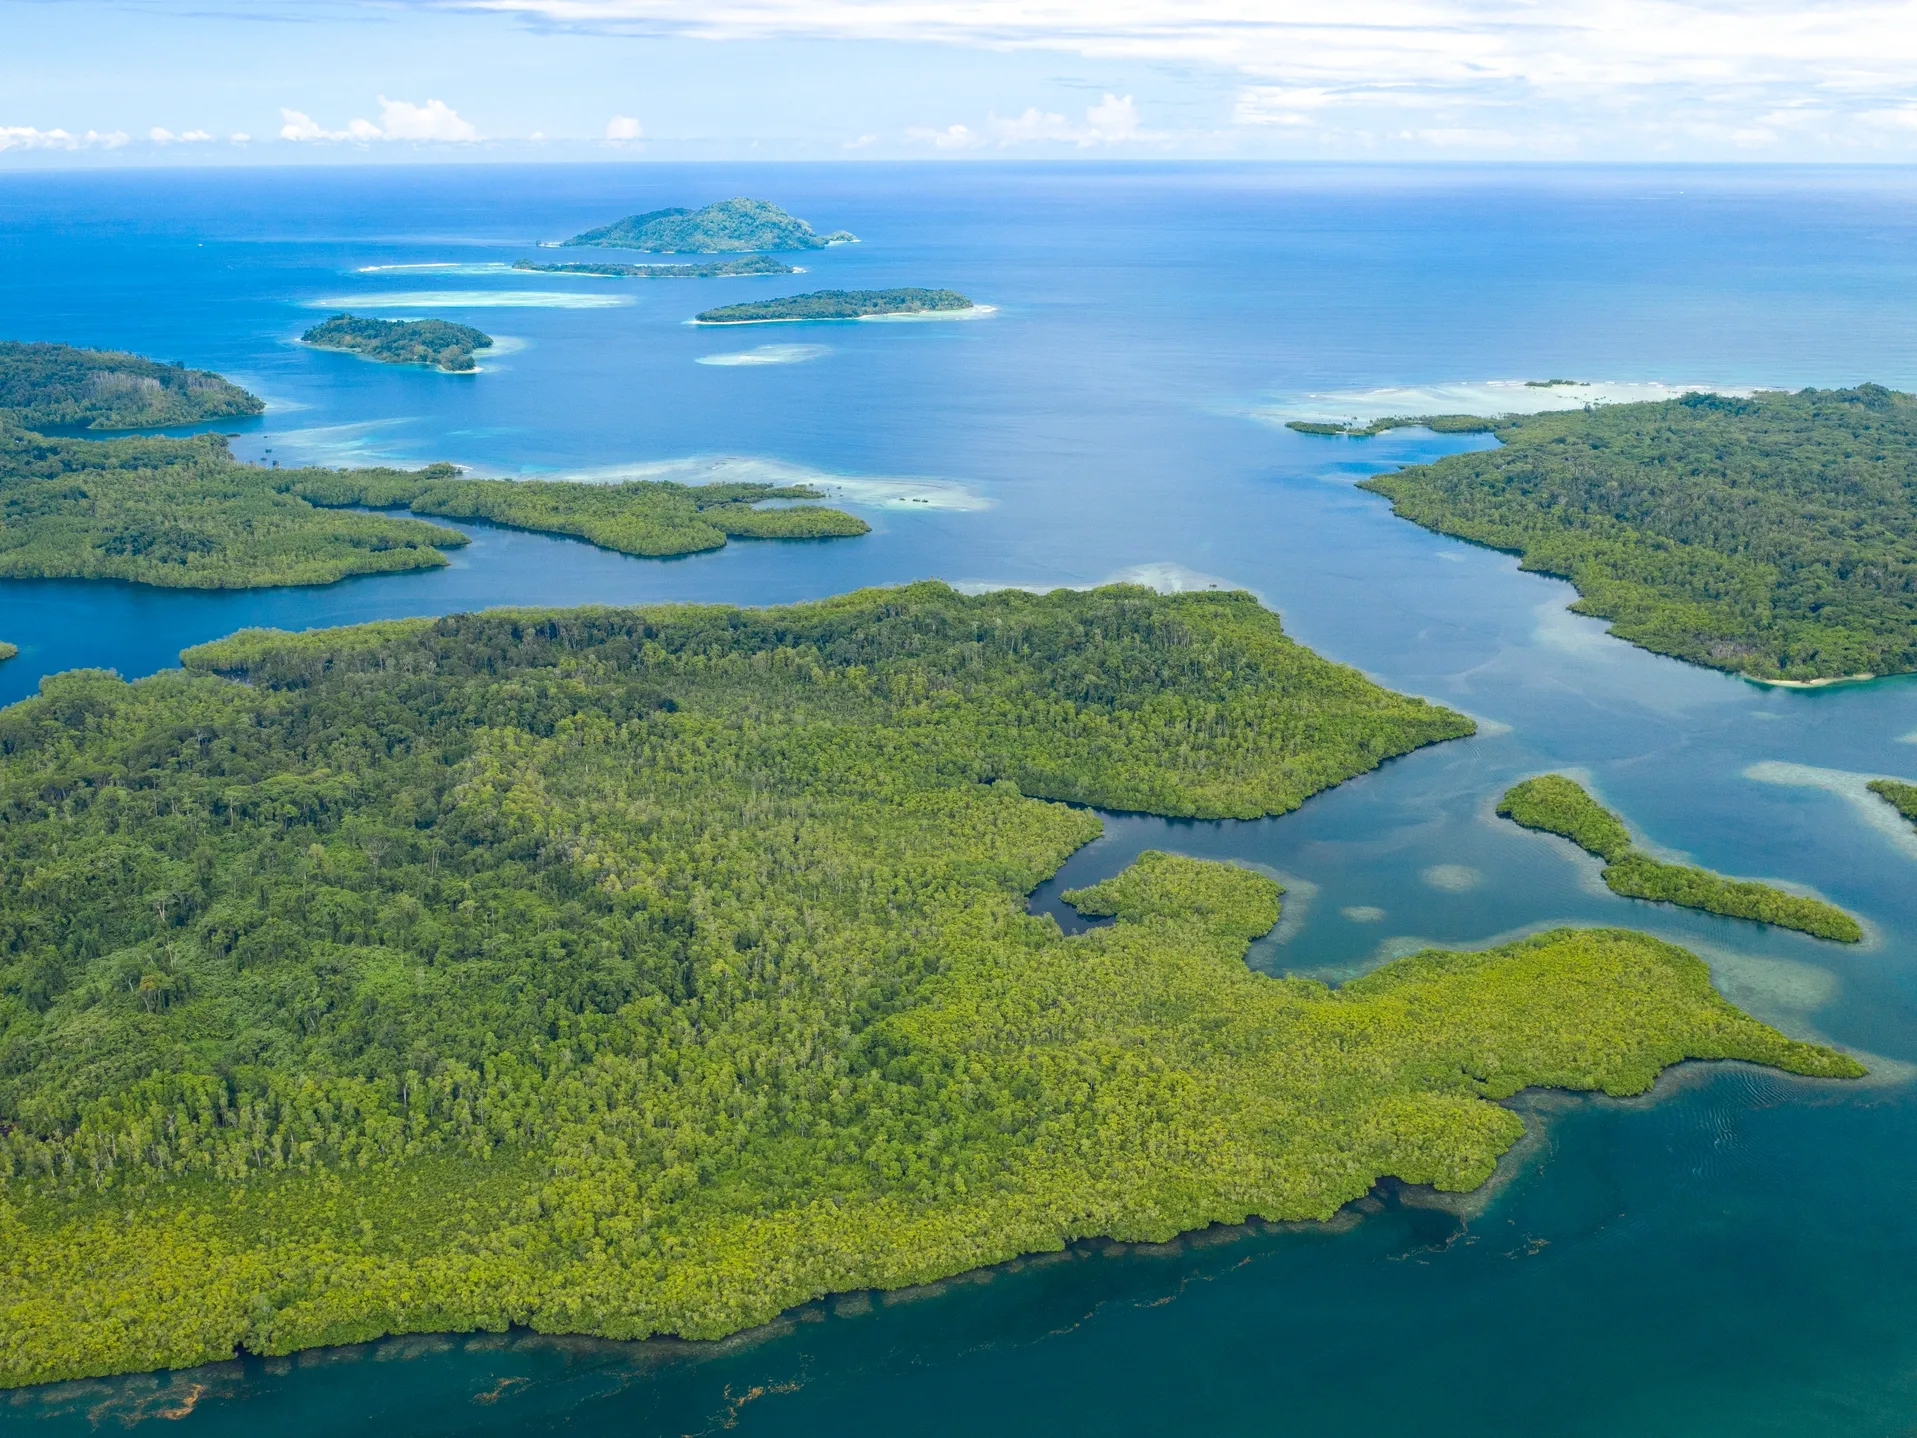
[1730, 1255]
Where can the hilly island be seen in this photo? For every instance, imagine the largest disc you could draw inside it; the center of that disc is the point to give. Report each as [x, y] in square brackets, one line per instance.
[726, 227]
[632, 971]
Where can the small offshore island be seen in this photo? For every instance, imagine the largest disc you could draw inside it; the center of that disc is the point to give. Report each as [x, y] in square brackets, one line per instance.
[1773, 536]
[838, 305]
[438, 344]
[726, 227]
[639, 971]
[184, 514]
[708, 269]
[1900, 796]
[8, 651]
[1558, 805]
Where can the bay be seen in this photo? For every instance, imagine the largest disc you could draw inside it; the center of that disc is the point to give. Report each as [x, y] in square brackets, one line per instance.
[1730, 1255]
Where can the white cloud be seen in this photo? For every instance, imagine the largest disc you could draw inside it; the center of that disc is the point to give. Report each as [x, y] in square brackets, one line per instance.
[952, 137]
[300, 126]
[195, 137]
[27, 137]
[240, 137]
[161, 136]
[435, 120]
[861, 143]
[1500, 67]
[623, 127]
[1111, 121]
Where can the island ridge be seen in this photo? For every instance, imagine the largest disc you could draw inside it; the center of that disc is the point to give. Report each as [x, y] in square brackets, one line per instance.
[726, 227]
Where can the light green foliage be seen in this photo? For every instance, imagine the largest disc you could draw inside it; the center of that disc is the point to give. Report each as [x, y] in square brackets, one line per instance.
[837, 305]
[183, 514]
[726, 227]
[8, 651]
[1229, 900]
[47, 385]
[1561, 806]
[634, 971]
[706, 269]
[440, 344]
[1441, 423]
[1900, 796]
[646, 517]
[1774, 536]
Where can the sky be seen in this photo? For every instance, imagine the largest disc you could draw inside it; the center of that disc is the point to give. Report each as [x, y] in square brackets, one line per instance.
[155, 82]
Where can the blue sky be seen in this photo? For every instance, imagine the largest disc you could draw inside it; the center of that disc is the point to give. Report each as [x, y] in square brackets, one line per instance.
[87, 82]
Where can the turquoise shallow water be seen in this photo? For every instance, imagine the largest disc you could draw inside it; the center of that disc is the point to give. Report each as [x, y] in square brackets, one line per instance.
[1733, 1255]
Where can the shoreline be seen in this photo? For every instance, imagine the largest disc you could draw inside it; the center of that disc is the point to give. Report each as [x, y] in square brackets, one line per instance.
[1811, 683]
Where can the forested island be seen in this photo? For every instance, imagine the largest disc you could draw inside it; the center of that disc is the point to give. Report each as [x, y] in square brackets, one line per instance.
[1364, 429]
[652, 518]
[439, 344]
[1558, 805]
[1774, 536]
[725, 227]
[634, 971]
[8, 651]
[1900, 796]
[837, 305]
[706, 269]
[56, 386]
[183, 513]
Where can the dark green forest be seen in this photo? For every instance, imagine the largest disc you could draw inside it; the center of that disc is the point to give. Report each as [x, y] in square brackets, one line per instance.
[724, 227]
[438, 344]
[1900, 796]
[1558, 805]
[46, 386]
[1774, 536]
[836, 305]
[708, 269]
[633, 971]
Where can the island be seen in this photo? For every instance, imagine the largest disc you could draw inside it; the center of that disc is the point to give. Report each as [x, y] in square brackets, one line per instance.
[8, 651]
[1900, 796]
[1773, 536]
[652, 518]
[184, 514]
[1364, 429]
[635, 971]
[726, 227]
[706, 269]
[1559, 805]
[438, 344]
[837, 305]
[52, 386]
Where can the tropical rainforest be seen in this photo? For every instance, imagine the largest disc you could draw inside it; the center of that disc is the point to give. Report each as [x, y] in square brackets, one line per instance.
[1558, 805]
[707, 269]
[1774, 536]
[1900, 796]
[651, 970]
[440, 344]
[725, 227]
[837, 305]
[46, 386]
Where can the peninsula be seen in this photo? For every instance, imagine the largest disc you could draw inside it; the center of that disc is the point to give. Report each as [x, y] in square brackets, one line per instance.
[8, 651]
[726, 227]
[1364, 429]
[1774, 537]
[1561, 806]
[837, 305]
[633, 971]
[45, 386]
[438, 344]
[705, 269]
[1900, 796]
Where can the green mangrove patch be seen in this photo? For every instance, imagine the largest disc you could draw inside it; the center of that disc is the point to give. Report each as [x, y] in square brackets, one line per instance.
[837, 305]
[1558, 805]
[437, 344]
[1774, 536]
[1900, 796]
[651, 970]
[8, 651]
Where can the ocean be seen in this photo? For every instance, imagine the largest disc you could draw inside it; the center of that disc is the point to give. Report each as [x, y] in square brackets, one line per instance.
[1731, 1254]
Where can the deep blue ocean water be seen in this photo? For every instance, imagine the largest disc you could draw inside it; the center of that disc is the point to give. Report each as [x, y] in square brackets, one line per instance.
[1732, 1255]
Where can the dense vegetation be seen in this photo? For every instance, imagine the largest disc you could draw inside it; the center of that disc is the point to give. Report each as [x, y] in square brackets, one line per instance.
[1441, 423]
[47, 386]
[1774, 536]
[646, 517]
[837, 305]
[707, 269]
[1900, 796]
[1559, 805]
[651, 970]
[726, 227]
[183, 513]
[8, 651]
[440, 344]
